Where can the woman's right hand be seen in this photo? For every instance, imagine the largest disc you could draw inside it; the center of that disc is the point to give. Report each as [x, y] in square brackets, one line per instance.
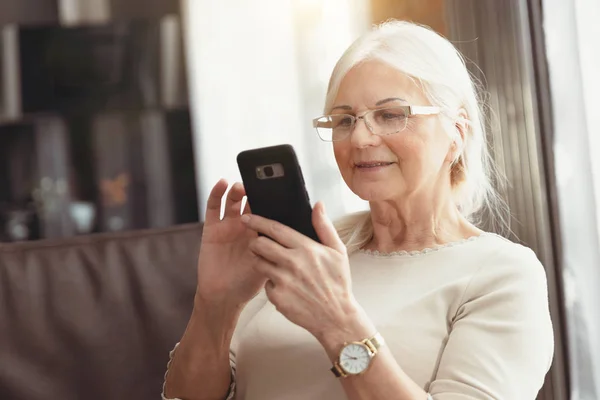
[225, 264]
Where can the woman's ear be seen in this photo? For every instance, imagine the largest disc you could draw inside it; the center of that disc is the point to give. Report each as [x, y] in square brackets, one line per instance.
[461, 127]
[459, 138]
[459, 135]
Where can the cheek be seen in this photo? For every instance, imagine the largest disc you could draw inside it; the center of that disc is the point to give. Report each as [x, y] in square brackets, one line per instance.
[406, 148]
[341, 152]
[420, 148]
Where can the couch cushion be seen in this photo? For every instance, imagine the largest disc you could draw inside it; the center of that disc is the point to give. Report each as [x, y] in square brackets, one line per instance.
[94, 317]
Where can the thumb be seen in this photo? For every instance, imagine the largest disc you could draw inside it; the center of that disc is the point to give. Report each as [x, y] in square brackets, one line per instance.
[325, 229]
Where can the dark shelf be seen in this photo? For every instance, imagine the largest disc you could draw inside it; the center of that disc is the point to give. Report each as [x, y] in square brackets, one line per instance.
[45, 12]
[28, 12]
[90, 135]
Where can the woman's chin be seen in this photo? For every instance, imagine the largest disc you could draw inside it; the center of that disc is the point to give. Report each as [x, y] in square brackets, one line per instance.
[374, 191]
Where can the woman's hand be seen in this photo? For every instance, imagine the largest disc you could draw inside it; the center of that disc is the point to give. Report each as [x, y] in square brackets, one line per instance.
[226, 266]
[308, 282]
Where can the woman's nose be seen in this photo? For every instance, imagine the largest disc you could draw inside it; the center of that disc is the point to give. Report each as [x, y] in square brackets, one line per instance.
[362, 136]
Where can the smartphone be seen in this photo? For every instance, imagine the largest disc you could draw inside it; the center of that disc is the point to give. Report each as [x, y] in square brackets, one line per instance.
[275, 187]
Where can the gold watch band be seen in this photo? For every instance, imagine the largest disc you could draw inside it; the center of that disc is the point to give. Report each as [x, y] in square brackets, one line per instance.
[373, 344]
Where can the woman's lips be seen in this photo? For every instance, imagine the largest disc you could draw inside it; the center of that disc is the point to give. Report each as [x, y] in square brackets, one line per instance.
[372, 166]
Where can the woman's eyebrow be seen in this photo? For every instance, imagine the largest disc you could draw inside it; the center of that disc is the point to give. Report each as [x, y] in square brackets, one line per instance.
[344, 107]
[380, 102]
[389, 99]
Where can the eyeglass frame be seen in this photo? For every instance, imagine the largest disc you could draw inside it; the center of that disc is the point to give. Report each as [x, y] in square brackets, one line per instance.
[411, 111]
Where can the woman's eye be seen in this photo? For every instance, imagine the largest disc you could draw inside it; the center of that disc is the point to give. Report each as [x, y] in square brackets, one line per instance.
[345, 122]
[392, 116]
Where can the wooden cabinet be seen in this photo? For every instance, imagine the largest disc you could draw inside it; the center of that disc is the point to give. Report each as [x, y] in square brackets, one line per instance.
[28, 12]
[82, 12]
[95, 131]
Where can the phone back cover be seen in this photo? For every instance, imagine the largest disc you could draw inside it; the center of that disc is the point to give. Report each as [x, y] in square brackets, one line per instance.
[283, 199]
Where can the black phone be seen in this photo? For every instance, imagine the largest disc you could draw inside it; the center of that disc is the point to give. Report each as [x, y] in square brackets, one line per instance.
[275, 187]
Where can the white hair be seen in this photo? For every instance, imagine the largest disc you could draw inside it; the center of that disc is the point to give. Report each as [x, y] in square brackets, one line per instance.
[439, 69]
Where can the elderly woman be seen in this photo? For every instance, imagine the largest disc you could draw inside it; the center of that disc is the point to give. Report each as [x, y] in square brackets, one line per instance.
[410, 301]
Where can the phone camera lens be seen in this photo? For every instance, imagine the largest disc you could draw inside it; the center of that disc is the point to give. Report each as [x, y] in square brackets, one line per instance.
[269, 171]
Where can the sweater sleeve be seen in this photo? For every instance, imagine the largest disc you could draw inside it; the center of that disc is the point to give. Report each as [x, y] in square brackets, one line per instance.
[250, 310]
[230, 393]
[501, 340]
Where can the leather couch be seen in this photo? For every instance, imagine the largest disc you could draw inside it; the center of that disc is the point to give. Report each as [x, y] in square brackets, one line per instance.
[94, 317]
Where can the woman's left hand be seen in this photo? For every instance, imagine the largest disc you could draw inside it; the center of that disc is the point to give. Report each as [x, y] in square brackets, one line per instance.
[309, 282]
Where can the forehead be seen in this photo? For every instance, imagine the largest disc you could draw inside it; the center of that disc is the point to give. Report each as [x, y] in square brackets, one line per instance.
[369, 82]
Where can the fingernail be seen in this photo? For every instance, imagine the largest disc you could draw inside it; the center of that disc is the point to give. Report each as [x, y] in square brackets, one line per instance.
[245, 218]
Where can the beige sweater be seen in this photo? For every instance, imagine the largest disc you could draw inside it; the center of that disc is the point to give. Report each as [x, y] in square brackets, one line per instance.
[468, 320]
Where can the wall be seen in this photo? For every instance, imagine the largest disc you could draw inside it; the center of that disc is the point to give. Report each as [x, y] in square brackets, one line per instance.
[588, 32]
[244, 83]
[258, 73]
[573, 64]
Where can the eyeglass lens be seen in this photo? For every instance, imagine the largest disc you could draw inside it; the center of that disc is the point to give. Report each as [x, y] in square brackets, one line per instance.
[383, 121]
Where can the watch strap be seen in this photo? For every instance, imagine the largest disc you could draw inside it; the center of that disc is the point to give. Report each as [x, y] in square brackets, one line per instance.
[374, 343]
[338, 371]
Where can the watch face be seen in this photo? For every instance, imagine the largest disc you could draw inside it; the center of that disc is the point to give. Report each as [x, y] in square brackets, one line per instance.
[355, 358]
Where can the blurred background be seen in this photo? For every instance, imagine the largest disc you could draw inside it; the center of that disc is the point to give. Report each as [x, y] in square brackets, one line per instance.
[121, 114]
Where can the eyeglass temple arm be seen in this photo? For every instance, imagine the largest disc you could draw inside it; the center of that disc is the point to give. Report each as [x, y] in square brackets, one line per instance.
[423, 110]
[412, 110]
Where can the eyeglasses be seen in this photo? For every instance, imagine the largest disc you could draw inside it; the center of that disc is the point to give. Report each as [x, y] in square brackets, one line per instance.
[382, 121]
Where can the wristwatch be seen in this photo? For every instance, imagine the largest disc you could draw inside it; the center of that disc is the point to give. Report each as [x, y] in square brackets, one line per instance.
[355, 357]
